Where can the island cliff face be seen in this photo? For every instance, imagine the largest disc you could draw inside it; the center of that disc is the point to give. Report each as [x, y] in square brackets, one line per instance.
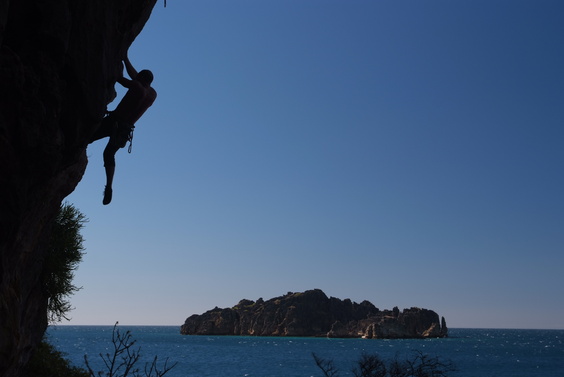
[59, 61]
[313, 314]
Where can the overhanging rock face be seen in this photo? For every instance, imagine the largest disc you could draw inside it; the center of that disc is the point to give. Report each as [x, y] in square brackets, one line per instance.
[59, 61]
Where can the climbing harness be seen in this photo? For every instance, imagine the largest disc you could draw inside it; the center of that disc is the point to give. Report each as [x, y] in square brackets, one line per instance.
[120, 133]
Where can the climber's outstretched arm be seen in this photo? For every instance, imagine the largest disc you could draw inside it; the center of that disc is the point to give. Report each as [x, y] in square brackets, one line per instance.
[125, 82]
[132, 72]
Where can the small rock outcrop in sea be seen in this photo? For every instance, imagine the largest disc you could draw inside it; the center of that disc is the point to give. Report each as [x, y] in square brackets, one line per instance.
[313, 314]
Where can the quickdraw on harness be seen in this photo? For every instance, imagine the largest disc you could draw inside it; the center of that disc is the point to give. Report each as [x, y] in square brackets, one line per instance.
[130, 139]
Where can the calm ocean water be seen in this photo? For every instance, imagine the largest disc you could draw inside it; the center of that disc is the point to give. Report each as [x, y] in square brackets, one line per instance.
[475, 352]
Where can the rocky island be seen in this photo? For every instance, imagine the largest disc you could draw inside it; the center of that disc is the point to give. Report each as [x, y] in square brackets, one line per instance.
[313, 314]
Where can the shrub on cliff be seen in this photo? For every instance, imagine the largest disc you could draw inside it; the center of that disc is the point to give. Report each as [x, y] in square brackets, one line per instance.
[48, 362]
[65, 253]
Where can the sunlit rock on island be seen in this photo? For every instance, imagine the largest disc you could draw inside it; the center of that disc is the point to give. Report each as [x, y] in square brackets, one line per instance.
[313, 314]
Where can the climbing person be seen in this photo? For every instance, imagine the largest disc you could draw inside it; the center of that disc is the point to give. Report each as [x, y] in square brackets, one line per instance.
[119, 124]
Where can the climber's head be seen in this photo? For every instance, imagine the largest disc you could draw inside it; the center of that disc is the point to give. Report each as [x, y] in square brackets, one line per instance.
[145, 77]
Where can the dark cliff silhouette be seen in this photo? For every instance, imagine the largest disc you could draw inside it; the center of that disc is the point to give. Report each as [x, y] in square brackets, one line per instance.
[312, 313]
[59, 61]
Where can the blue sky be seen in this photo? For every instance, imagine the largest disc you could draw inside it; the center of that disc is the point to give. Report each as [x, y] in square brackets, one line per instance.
[407, 153]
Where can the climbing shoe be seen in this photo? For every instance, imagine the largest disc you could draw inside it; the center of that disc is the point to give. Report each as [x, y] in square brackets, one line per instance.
[107, 195]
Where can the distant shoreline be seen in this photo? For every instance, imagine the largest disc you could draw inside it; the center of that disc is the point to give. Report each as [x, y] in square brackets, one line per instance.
[450, 328]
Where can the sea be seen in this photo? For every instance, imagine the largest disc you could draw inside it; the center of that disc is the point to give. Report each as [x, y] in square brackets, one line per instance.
[473, 352]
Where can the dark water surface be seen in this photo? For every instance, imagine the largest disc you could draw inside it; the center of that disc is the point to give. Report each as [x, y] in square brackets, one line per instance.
[474, 352]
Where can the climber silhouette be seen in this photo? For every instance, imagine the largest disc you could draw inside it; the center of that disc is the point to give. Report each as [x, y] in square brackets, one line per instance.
[119, 124]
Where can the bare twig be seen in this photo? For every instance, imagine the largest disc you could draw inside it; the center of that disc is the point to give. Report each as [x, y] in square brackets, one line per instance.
[420, 365]
[327, 366]
[122, 361]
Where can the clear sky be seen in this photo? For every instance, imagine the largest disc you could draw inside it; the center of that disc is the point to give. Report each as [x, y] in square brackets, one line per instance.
[409, 153]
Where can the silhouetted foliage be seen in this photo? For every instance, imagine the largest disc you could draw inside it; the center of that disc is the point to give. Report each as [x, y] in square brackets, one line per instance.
[48, 362]
[122, 361]
[426, 366]
[65, 253]
[368, 365]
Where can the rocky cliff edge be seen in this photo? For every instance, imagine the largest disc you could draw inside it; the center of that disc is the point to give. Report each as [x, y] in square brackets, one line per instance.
[59, 61]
